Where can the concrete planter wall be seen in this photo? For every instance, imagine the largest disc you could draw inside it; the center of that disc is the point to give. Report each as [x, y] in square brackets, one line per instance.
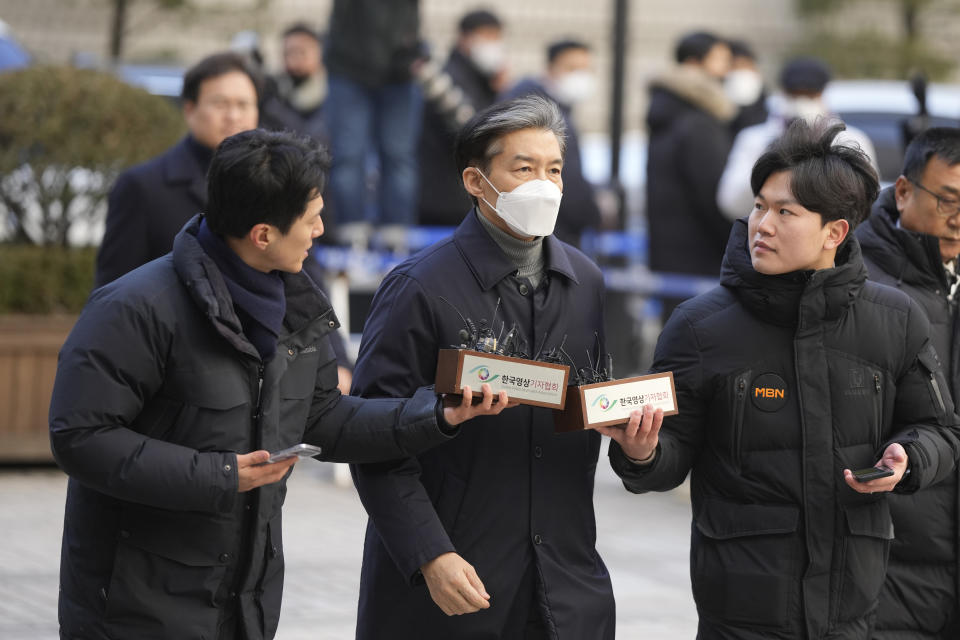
[28, 365]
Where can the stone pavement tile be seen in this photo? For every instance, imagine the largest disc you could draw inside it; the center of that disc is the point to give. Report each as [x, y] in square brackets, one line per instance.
[31, 522]
[643, 539]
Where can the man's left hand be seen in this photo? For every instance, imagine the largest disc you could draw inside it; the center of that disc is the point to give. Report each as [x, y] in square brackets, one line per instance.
[894, 457]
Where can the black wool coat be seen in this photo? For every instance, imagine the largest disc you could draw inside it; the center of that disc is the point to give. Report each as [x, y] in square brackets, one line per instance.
[689, 140]
[147, 207]
[920, 597]
[442, 196]
[157, 391]
[782, 382]
[510, 496]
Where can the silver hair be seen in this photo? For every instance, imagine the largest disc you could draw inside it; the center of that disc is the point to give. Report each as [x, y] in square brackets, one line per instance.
[480, 138]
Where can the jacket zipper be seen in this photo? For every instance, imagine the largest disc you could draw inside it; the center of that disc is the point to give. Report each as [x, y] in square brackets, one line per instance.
[256, 414]
[738, 420]
[877, 386]
[936, 392]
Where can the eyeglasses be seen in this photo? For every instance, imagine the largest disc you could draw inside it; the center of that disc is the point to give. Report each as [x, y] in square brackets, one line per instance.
[945, 206]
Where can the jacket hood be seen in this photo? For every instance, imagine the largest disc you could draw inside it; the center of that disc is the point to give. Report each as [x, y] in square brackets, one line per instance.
[306, 303]
[691, 87]
[910, 256]
[799, 297]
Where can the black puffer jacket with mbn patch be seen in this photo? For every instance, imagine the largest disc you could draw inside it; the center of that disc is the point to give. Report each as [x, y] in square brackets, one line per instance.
[782, 382]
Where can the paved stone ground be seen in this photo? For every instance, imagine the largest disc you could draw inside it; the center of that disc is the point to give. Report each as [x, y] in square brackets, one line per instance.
[643, 539]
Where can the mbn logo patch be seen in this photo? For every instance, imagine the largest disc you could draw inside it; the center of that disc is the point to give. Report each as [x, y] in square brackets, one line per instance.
[768, 392]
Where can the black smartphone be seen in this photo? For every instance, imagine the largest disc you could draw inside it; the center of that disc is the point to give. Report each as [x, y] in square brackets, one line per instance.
[872, 473]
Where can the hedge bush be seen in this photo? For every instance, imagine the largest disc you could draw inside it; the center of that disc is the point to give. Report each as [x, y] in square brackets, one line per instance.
[45, 280]
[65, 134]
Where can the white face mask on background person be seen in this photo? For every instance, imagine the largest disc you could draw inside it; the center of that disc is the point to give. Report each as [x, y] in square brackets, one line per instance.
[574, 87]
[531, 209]
[743, 86]
[802, 107]
[488, 56]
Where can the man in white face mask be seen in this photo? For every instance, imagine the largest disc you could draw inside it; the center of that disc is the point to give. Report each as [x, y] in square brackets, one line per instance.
[743, 84]
[499, 525]
[803, 81]
[569, 80]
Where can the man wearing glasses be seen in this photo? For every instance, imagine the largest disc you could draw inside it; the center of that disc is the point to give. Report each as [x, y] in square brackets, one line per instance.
[911, 241]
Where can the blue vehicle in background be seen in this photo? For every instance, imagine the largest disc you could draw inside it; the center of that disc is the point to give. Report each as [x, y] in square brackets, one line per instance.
[12, 55]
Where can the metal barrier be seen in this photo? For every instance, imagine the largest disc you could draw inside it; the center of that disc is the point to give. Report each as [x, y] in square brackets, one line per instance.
[366, 268]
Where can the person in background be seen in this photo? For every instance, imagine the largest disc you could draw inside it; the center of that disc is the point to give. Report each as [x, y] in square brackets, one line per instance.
[150, 202]
[688, 124]
[373, 106]
[911, 241]
[468, 82]
[803, 81]
[295, 97]
[179, 379]
[791, 374]
[744, 86]
[569, 80]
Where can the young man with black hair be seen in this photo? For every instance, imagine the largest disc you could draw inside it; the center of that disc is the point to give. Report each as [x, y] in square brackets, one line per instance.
[790, 374]
[911, 241]
[176, 383]
[500, 524]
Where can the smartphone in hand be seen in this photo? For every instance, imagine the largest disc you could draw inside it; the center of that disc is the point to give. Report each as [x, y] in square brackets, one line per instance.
[298, 450]
[872, 473]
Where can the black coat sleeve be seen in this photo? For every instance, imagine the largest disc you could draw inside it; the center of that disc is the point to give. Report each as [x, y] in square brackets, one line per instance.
[125, 245]
[399, 353]
[351, 429]
[110, 366]
[682, 435]
[705, 145]
[924, 418]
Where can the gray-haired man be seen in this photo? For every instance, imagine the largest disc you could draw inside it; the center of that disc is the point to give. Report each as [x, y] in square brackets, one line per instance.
[500, 525]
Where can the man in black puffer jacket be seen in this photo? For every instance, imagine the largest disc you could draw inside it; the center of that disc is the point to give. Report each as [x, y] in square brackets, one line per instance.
[793, 372]
[177, 380]
[911, 242]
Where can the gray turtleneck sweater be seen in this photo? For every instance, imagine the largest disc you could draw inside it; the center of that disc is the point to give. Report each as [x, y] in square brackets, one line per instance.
[526, 255]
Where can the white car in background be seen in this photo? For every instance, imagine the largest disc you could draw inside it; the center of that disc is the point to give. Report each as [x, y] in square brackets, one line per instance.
[880, 108]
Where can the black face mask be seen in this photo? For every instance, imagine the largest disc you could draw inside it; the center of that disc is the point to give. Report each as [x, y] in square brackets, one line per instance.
[298, 79]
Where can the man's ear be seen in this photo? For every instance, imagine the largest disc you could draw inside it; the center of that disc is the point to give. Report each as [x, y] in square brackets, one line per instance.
[837, 231]
[189, 106]
[259, 235]
[901, 191]
[473, 182]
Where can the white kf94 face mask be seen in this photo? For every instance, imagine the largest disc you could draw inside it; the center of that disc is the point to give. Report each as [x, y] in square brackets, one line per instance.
[531, 209]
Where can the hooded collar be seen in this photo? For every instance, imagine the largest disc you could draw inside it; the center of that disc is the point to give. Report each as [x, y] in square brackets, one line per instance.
[489, 264]
[802, 299]
[909, 256]
[305, 303]
[696, 87]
